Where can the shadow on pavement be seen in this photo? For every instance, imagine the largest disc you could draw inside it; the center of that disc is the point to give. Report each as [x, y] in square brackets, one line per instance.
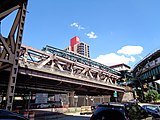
[44, 115]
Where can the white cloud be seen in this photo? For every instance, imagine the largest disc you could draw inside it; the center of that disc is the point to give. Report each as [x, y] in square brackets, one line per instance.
[140, 57]
[91, 35]
[130, 50]
[112, 59]
[76, 25]
[158, 81]
[124, 55]
[132, 59]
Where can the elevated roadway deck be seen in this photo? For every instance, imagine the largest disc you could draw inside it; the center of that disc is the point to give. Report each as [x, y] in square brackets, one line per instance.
[148, 70]
[41, 71]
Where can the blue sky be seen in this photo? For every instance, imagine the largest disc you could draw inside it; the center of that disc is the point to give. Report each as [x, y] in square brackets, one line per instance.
[118, 31]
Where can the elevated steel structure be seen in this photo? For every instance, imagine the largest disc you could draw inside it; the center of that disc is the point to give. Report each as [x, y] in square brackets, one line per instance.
[39, 71]
[79, 58]
[148, 70]
[10, 46]
[74, 72]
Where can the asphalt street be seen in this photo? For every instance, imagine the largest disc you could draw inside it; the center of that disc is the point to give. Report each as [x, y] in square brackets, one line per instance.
[67, 116]
[75, 116]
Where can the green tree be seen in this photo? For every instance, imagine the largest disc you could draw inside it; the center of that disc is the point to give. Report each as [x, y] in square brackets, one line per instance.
[152, 95]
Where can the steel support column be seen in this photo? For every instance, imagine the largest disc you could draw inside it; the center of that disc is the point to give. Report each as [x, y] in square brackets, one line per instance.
[14, 68]
[11, 45]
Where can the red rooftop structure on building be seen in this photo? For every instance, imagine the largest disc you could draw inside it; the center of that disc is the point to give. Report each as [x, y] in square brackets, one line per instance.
[75, 40]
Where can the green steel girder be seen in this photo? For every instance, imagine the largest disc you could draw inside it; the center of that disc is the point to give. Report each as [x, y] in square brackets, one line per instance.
[78, 58]
[153, 72]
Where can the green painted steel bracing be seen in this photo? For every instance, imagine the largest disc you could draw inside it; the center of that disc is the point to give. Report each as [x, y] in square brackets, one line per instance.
[153, 72]
[75, 57]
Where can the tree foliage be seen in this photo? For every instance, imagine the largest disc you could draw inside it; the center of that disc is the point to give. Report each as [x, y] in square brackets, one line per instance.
[152, 95]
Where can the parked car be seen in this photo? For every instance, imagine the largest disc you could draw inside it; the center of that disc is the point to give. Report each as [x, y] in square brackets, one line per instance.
[56, 104]
[154, 110]
[94, 106]
[119, 111]
[33, 106]
[44, 105]
[40, 105]
[8, 115]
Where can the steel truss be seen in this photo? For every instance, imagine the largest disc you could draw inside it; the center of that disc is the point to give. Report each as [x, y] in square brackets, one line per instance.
[10, 45]
[43, 61]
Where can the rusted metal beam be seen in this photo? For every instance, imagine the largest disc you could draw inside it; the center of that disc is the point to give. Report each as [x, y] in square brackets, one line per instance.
[7, 12]
[12, 44]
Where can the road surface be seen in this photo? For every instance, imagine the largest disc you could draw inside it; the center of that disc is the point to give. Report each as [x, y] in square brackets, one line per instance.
[75, 117]
[67, 116]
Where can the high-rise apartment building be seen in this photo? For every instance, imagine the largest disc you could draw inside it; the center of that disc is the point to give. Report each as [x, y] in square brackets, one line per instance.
[78, 47]
[82, 48]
